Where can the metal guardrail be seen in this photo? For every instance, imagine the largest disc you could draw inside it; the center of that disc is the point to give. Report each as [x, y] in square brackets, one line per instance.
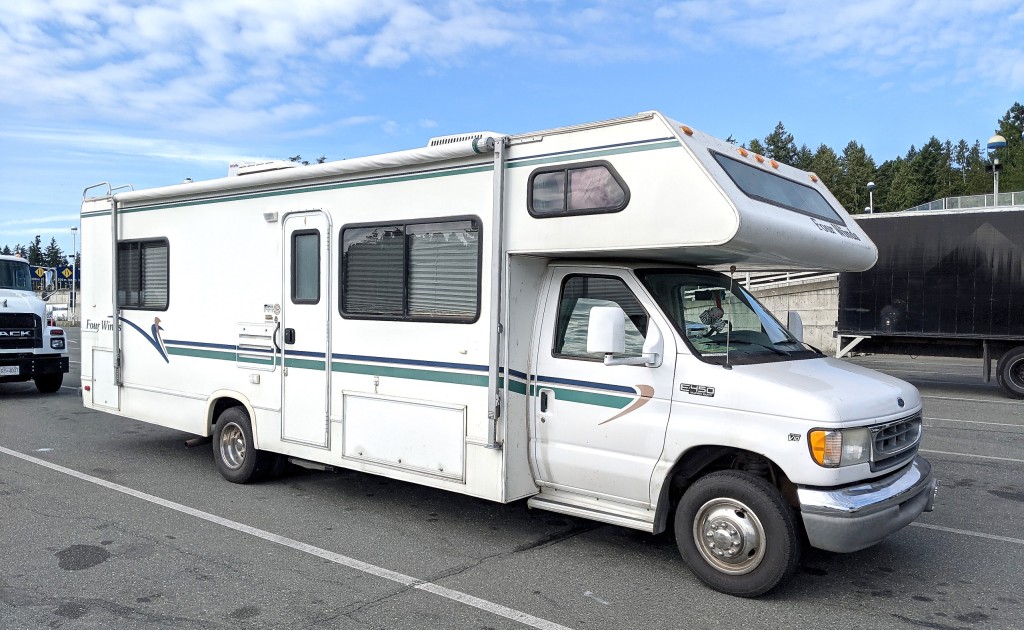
[768, 279]
[971, 202]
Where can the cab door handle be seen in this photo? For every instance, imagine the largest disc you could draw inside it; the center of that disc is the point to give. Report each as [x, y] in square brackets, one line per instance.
[289, 335]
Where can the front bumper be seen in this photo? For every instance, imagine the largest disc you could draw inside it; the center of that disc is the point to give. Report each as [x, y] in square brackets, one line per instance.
[854, 517]
[31, 365]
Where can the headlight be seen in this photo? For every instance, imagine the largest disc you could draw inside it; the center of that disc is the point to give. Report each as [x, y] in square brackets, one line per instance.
[840, 447]
[57, 344]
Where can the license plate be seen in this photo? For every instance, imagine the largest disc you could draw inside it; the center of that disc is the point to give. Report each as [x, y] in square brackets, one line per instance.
[10, 370]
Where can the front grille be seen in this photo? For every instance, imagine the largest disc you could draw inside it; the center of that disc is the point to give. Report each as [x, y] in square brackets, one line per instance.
[895, 443]
[20, 330]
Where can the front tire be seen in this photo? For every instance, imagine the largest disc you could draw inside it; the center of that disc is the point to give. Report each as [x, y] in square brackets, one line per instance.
[736, 533]
[1010, 372]
[48, 383]
[237, 459]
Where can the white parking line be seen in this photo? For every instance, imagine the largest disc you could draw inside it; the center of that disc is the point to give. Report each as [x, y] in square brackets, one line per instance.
[995, 424]
[969, 533]
[981, 400]
[337, 558]
[1001, 459]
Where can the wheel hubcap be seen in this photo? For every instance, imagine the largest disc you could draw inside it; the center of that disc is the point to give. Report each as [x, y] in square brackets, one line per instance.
[232, 446]
[1016, 373]
[729, 536]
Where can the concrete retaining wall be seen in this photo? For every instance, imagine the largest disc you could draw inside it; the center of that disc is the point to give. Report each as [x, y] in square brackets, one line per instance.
[817, 302]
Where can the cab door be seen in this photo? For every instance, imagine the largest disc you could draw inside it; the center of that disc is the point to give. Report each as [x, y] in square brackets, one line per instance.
[305, 329]
[598, 429]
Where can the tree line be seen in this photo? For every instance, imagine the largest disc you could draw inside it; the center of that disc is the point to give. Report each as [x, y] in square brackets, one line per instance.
[935, 170]
[50, 256]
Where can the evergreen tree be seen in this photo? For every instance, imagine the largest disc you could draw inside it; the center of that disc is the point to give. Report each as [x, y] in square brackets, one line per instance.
[780, 146]
[35, 251]
[858, 168]
[804, 158]
[755, 146]
[1011, 127]
[927, 168]
[826, 166]
[53, 256]
[6, 251]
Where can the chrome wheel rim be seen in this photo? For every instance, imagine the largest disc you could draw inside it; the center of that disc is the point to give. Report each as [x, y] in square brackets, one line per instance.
[232, 446]
[729, 536]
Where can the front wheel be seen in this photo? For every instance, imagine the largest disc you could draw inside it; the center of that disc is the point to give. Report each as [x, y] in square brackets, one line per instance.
[736, 533]
[1010, 372]
[49, 383]
[237, 459]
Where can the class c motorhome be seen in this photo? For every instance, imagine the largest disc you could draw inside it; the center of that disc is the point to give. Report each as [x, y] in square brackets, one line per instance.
[514, 317]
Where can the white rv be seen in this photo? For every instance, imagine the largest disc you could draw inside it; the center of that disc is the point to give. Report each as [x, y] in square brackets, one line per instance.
[509, 317]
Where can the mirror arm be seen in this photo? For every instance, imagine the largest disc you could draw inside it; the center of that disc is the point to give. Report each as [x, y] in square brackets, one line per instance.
[647, 360]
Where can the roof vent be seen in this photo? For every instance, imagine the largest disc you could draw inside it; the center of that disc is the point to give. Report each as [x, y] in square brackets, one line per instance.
[249, 168]
[443, 140]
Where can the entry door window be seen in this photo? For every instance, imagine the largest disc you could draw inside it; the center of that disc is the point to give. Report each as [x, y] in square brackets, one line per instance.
[306, 267]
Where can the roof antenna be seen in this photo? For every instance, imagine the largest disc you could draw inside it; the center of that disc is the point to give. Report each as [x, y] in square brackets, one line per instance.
[728, 324]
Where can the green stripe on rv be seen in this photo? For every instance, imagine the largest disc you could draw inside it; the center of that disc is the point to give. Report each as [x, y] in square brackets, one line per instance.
[669, 144]
[456, 378]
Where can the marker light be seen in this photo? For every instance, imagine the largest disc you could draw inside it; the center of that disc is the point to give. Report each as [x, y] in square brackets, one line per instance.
[814, 178]
[759, 158]
[686, 130]
[774, 164]
[743, 152]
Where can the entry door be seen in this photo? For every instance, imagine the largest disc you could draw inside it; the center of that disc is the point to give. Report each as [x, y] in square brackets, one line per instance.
[598, 429]
[305, 329]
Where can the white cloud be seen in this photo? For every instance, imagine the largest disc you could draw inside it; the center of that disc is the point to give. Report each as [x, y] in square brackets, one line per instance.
[71, 219]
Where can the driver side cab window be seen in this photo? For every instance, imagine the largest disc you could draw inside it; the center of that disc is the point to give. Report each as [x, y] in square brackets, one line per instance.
[580, 293]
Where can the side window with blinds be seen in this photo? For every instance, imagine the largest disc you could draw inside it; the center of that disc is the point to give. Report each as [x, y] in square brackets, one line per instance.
[142, 275]
[412, 271]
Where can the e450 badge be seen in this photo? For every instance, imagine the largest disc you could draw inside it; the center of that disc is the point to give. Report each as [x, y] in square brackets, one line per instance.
[697, 390]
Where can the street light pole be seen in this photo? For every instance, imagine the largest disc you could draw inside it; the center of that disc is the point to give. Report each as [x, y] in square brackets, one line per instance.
[74, 271]
[995, 143]
[871, 197]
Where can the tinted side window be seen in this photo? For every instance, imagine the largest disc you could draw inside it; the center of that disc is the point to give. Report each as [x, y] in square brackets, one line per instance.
[580, 294]
[590, 188]
[306, 267]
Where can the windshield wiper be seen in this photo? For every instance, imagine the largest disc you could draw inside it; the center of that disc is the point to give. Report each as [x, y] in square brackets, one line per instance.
[761, 345]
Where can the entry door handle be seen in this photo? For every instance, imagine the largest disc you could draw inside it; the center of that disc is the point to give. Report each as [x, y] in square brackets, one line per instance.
[543, 401]
[289, 335]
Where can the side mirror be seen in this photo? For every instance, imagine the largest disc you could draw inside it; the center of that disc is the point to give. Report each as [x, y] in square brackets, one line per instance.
[795, 324]
[606, 334]
[606, 330]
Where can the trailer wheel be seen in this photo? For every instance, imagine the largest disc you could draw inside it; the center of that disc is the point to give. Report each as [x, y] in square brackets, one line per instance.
[237, 459]
[1010, 372]
[48, 383]
[736, 533]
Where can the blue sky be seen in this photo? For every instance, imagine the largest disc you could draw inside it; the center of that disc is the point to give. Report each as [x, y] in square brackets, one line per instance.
[149, 93]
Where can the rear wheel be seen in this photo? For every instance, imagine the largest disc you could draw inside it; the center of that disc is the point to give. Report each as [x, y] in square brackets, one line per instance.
[736, 533]
[237, 459]
[1010, 372]
[48, 383]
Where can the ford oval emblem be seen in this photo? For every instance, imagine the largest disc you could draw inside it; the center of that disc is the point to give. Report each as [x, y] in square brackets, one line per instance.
[899, 401]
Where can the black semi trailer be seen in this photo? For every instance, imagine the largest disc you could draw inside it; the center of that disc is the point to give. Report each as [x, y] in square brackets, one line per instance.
[947, 283]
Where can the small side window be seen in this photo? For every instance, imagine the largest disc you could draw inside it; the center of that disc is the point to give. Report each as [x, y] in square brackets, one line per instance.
[573, 189]
[582, 293]
[306, 267]
[142, 275]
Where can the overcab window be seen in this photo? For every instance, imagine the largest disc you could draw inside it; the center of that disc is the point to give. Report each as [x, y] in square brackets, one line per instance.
[412, 271]
[142, 268]
[589, 188]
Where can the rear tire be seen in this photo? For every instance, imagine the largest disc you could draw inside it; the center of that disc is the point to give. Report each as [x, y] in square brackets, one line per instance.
[737, 534]
[1010, 372]
[49, 383]
[237, 459]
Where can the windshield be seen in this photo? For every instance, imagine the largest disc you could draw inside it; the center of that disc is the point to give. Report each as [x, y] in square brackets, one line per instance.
[717, 317]
[15, 275]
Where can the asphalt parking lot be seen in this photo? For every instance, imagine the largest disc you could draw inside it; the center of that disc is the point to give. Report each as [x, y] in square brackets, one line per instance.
[112, 523]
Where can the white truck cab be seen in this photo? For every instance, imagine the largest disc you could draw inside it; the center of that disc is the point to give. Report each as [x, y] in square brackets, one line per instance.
[531, 316]
[30, 348]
